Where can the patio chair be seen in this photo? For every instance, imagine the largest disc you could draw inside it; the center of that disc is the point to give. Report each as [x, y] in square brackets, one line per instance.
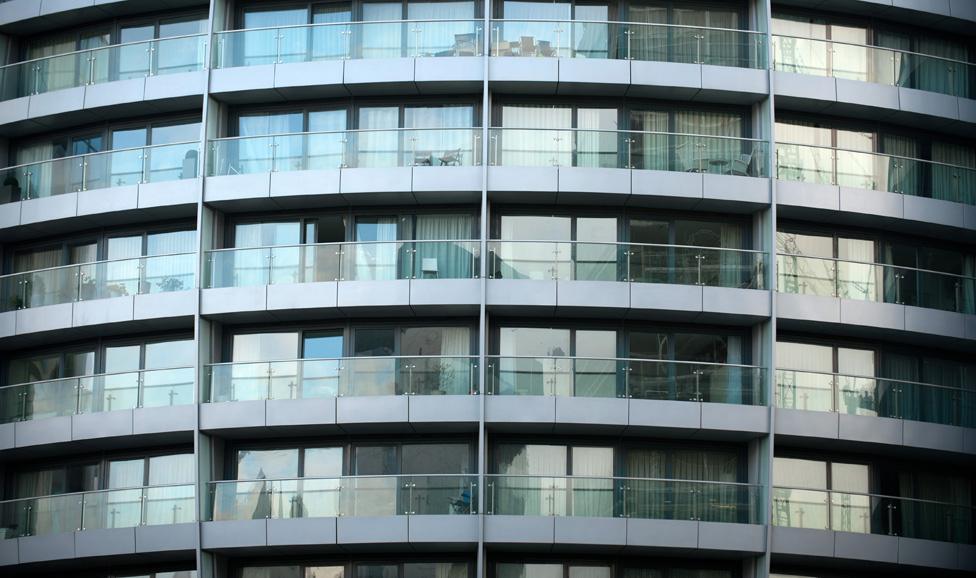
[450, 158]
[740, 166]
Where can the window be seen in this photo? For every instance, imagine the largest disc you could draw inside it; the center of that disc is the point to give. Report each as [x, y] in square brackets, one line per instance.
[801, 498]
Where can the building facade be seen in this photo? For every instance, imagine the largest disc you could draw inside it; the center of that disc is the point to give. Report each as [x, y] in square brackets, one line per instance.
[487, 289]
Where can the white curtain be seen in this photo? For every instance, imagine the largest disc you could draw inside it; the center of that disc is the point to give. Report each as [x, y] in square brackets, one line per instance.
[955, 180]
[453, 258]
[441, 135]
[535, 136]
[704, 154]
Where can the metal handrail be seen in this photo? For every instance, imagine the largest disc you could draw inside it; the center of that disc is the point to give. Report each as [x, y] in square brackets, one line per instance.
[881, 48]
[879, 378]
[97, 48]
[91, 263]
[874, 153]
[93, 154]
[90, 376]
[838, 260]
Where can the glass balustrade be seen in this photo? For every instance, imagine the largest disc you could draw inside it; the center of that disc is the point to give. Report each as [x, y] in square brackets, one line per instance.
[875, 171]
[660, 151]
[876, 396]
[873, 64]
[628, 41]
[637, 263]
[404, 495]
[657, 499]
[122, 508]
[872, 514]
[97, 280]
[96, 393]
[105, 64]
[116, 168]
[348, 40]
[626, 378]
[435, 147]
[875, 282]
[349, 376]
[380, 261]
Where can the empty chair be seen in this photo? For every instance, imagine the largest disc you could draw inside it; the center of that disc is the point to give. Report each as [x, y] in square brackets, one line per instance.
[450, 158]
[740, 166]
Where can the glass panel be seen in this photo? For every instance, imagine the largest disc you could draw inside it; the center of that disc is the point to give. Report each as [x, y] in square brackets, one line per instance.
[323, 462]
[374, 460]
[425, 459]
[799, 473]
[134, 60]
[126, 473]
[267, 464]
[265, 346]
[174, 469]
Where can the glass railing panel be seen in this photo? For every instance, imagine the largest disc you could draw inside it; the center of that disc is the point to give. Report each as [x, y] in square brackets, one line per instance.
[378, 261]
[876, 282]
[627, 149]
[351, 376]
[438, 375]
[240, 500]
[804, 390]
[320, 377]
[531, 375]
[168, 387]
[404, 495]
[806, 275]
[796, 508]
[110, 392]
[873, 64]
[369, 376]
[105, 64]
[539, 260]
[100, 170]
[875, 171]
[388, 39]
[40, 288]
[370, 496]
[875, 396]
[446, 259]
[40, 400]
[623, 497]
[446, 147]
[169, 505]
[626, 40]
[112, 509]
[873, 514]
[437, 495]
[238, 267]
[44, 515]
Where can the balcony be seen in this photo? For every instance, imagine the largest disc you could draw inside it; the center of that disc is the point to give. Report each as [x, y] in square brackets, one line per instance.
[875, 397]
[126, 524]
[103, 77]
[620, 277]
[347, 162]
[628, 41]
[632, 514]
[348, 40]
[103, 170]
[400, 509]
[97, 280]
[97, 510]
[96, 394]
[652, 379]
[626, 262]
[439, 277]
[874, 64]
[332, 59]
[153, 291]
[347, 393]
[640, 59]
[874, 82]
[872, 514]
[155, 180]
[617, 167]
[644, 396]
[656, 151]
[876, 282]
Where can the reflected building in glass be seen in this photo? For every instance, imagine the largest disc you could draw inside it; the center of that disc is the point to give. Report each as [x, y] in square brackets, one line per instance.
[487, 289]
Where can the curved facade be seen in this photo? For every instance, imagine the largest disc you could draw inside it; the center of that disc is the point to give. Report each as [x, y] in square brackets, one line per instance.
[501, 289]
